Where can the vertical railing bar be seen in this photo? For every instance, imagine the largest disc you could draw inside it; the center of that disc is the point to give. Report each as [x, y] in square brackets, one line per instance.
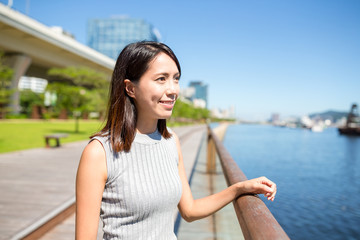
[211, 156]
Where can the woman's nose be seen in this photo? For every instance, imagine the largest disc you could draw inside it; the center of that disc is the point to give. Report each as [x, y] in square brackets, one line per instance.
[172, 88]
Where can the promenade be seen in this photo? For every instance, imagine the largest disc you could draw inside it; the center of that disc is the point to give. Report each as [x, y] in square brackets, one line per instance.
[36, 183]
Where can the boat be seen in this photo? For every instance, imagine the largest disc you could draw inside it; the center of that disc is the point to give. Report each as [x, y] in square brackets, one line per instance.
[349, 131]
[317, 128]
[352, 126]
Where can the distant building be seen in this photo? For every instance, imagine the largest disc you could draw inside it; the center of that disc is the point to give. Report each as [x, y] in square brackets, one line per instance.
[275, 118]
[201, 92]
[110, 36]
[187, 93]
[228, 113]
[34, 84]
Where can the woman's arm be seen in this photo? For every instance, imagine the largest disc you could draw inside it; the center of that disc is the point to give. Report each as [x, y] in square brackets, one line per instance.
[90, 183]
[191, 209]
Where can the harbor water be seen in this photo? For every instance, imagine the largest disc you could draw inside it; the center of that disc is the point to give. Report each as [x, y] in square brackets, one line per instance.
[317, 176]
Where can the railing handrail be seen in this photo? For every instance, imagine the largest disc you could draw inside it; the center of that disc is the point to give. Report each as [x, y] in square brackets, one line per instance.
[254, 217]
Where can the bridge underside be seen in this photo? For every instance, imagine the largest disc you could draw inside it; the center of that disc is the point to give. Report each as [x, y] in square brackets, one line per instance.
[33, 54]
[43, 54]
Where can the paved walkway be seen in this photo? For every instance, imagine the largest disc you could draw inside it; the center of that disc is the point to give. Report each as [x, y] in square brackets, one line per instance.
[35, 182]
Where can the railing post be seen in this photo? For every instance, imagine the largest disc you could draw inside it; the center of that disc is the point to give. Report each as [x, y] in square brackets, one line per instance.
[211, 154]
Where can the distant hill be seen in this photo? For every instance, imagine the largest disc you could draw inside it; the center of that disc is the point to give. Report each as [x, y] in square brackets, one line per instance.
[332, 115]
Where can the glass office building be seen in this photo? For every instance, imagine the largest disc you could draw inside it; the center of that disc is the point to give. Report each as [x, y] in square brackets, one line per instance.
[110, 36]
[201, 91]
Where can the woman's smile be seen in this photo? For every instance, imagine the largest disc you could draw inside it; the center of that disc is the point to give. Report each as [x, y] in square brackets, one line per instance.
[168, 104]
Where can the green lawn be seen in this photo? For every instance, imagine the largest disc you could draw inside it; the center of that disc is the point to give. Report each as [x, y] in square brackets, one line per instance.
[25, 134]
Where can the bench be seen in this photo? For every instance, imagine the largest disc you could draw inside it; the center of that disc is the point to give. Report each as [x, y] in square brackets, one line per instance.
[55, 136]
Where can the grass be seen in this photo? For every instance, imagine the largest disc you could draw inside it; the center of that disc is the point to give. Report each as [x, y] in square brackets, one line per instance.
[25, 134]
[21, 134]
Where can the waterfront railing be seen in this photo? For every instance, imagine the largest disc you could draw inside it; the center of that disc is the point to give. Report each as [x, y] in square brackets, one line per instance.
[255, 219]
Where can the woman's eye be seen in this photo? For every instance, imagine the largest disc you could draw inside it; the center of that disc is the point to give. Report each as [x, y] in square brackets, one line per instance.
[161, 79]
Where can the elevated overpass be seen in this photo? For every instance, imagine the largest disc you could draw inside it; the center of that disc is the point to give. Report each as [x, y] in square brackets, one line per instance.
[32, 48]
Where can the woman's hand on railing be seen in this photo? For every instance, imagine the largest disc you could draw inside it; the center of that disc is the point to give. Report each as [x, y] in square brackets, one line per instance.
[260, 185]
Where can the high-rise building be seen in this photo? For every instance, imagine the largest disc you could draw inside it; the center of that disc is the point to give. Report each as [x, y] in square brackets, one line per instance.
[200, 91]
[110, 36]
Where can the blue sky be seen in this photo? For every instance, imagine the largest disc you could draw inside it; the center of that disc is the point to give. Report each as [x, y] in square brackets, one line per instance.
[263, 56]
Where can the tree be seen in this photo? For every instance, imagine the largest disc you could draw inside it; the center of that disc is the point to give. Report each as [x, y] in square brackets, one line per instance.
[81, 76]
[85, 90]
[5, 86]
[183, 110]
[30, 99]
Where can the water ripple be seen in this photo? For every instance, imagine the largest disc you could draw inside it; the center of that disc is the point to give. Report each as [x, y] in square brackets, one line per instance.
[317, 174]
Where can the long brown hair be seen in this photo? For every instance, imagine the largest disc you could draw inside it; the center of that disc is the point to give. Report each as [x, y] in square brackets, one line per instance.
[131, 64]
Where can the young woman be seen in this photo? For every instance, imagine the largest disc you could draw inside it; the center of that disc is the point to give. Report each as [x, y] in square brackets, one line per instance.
[132, 172]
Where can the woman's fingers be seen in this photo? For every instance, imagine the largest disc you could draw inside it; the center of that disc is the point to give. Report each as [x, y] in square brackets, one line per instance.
[267, 181]
[260, 185]
[268, 187]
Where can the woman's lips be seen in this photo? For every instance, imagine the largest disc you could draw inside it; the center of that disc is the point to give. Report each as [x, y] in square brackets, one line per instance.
[168, 104]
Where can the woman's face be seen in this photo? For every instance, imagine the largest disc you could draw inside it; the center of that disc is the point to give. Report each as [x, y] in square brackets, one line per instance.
[157, 90]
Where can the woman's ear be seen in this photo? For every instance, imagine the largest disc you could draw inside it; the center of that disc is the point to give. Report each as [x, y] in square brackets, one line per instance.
[129, 88]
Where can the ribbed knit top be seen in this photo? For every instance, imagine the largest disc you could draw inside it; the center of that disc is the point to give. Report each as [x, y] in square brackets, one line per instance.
[142, 190]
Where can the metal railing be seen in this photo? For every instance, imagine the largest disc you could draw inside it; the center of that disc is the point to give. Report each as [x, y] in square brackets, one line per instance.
[255, 219]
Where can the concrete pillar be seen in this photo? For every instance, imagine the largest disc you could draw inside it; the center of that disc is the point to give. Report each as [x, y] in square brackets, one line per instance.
[19, 63]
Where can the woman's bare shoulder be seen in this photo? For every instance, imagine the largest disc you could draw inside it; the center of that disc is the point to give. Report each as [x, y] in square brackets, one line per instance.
[95, 147]
[93, 157]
